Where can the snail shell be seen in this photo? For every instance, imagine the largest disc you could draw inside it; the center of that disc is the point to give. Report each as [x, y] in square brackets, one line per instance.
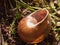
[34, 27]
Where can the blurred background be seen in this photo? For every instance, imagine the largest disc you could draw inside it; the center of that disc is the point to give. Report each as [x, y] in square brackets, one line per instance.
[12, 11]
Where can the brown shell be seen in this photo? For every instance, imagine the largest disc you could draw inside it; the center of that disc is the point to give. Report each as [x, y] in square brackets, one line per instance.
[36, 34]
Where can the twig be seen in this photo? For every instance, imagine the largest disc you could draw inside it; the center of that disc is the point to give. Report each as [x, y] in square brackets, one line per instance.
[2, 42]
[5, 6]
[10, 4]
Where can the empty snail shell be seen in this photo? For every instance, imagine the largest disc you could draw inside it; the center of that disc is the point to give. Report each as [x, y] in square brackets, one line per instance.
[34, 27]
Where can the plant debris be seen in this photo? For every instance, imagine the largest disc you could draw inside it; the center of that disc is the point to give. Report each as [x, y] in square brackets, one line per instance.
[12, 11]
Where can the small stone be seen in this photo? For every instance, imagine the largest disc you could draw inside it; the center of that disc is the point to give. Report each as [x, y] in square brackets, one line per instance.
[55, 1]
[58, 12]
[58, 23]
[59, 43]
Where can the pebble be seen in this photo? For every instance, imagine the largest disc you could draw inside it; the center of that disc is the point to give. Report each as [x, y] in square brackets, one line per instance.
[59, 43]
[58, 12]
[58, 23]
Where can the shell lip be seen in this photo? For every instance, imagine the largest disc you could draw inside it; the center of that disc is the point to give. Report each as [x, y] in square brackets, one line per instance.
[42, 19]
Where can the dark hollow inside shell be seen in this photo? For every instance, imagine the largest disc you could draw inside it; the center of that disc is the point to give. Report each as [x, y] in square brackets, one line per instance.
[39, 15]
